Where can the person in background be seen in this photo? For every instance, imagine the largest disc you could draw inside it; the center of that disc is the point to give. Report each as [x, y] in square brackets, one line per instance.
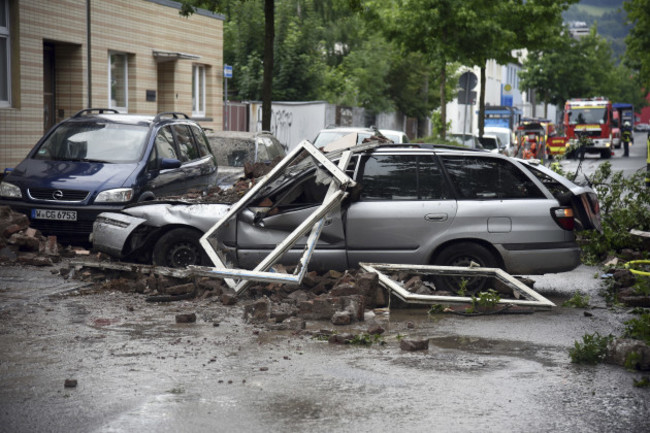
[626, 137]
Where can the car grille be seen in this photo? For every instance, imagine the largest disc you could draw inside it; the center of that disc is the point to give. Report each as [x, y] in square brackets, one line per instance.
[63, 227]
[57, 195]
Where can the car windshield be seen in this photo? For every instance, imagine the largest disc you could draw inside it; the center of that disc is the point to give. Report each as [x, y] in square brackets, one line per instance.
[101, 142]
[585, 115]
[488, 142]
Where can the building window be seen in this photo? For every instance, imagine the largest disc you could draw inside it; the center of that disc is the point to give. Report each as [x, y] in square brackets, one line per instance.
[198, 91]
[5, 53]
[118, 82]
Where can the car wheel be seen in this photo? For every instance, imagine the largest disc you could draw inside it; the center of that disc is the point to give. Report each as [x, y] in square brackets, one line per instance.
[463, 254]
[179, 248]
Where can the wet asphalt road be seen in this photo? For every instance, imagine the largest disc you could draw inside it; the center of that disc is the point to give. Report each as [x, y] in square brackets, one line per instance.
[137, 370]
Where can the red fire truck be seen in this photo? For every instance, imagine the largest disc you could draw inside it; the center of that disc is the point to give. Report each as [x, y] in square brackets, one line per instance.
[592, 119]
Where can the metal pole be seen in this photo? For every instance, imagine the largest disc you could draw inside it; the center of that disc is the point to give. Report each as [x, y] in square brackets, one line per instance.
[465, 114]
[226, 108]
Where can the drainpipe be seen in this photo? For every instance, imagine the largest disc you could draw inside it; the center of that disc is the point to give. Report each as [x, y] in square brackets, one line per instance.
[88, 56]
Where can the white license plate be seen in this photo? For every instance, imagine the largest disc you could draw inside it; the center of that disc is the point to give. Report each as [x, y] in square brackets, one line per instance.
[57, 215]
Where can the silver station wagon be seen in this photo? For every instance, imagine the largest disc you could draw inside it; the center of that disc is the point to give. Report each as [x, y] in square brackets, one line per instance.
[412, 204]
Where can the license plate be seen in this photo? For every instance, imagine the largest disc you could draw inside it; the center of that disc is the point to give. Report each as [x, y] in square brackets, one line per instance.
[57, 215]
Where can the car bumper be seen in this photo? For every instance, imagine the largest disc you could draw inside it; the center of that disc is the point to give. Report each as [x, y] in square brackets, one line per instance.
[111, 231]
[544, 259]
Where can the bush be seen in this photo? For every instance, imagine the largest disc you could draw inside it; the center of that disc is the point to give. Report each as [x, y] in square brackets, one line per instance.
[624, 205]
[592, 350]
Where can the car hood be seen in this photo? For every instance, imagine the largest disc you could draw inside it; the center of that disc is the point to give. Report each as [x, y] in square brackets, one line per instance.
[201, 216]
[90, 176]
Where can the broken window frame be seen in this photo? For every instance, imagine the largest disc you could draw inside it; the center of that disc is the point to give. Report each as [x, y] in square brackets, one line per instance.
[398, 289]
[339, 182]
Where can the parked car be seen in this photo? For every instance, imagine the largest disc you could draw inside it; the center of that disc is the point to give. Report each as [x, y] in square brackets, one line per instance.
[412, 204]
[234, 149]
[642, 127]
[507, 137]
[491, 143]
[100, 160]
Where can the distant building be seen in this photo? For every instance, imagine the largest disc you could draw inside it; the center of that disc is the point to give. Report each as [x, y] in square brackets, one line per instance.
[136, 56]
[578, 29]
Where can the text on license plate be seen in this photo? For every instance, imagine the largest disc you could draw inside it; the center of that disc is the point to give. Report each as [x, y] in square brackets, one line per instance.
[51, 214]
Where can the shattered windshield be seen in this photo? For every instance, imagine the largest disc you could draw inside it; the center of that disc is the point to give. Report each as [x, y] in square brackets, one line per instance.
[95, 142]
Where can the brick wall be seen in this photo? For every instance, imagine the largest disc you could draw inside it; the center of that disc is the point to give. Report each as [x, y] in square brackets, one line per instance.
[134, 27]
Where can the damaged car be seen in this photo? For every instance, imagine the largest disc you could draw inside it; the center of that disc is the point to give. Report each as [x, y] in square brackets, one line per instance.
[409, 204]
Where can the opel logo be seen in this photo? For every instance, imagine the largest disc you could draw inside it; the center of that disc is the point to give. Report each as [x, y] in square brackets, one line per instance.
[57, 195]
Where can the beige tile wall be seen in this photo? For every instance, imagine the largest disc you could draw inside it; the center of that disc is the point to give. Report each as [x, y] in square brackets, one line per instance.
[136, 27]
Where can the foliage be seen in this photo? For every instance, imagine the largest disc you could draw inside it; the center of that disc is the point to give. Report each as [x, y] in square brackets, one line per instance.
[637, 55]
[638, 328]
[578, 300]
[624, 204]
[484, 301]
[642, 383]
[436, 309]
[366, 339]
[592, 350]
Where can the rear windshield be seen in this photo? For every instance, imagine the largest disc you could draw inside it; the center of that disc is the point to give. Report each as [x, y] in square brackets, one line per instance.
[100, 142]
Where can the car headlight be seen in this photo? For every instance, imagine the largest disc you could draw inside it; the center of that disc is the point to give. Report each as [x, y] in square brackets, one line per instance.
[120, 195]
[9, 190]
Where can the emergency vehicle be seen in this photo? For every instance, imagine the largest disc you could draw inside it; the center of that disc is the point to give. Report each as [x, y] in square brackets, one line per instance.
[591, 118]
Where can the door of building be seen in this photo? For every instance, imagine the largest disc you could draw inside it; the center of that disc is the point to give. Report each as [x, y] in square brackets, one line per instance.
[49, 116]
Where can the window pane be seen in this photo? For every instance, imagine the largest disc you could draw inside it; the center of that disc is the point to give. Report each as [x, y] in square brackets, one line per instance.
[4, 73]
[489, 178]
[118, 80]
[201, 140]
[198, 90]
[185, 143]
[165, 144]
[432, 183]
[389, 177]
[3, 13]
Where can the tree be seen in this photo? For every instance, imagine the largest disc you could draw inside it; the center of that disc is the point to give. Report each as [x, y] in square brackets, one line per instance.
[637, 55]
[189, 6]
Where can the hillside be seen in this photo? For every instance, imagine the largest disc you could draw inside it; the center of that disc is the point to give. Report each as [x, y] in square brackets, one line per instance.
[609, 17]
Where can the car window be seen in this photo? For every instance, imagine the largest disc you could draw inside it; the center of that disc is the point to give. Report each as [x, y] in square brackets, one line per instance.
[165, 143]
[489, 178]
[262, 151]
[402, 177]
[201, 140]
[186, 148]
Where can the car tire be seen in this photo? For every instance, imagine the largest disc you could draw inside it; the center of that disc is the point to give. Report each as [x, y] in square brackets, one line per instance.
[463, 254]
[179, 248]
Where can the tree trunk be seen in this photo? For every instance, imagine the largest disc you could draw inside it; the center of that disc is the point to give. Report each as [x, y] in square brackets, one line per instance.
[267, 85]
[443, 100]
[481, 104]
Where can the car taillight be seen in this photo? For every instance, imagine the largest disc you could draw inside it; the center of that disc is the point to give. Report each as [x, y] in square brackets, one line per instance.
[563, 216]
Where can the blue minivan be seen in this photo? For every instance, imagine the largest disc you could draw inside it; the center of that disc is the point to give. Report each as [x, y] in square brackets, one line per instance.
[101, 160]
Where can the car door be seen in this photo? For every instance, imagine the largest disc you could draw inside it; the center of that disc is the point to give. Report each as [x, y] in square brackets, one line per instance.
[405, 203]
[261, 228]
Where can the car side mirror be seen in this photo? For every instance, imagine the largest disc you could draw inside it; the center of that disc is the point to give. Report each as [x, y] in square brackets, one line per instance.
[167, 163]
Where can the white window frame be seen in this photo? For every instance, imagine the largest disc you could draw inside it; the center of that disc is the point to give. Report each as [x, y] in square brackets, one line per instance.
[5, 35]
[198, 90]
[125, 108]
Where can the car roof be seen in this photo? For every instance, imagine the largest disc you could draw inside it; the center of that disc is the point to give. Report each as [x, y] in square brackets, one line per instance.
[113, 116]
[237, 134]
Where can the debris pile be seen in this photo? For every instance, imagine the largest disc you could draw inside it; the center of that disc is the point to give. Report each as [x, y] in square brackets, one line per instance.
[341, 298]
[21, 244]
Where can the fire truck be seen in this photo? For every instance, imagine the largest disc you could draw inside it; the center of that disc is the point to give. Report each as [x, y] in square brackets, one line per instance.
[590, 118]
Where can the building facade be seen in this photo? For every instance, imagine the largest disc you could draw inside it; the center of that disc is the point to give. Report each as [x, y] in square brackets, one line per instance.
[136, 56]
